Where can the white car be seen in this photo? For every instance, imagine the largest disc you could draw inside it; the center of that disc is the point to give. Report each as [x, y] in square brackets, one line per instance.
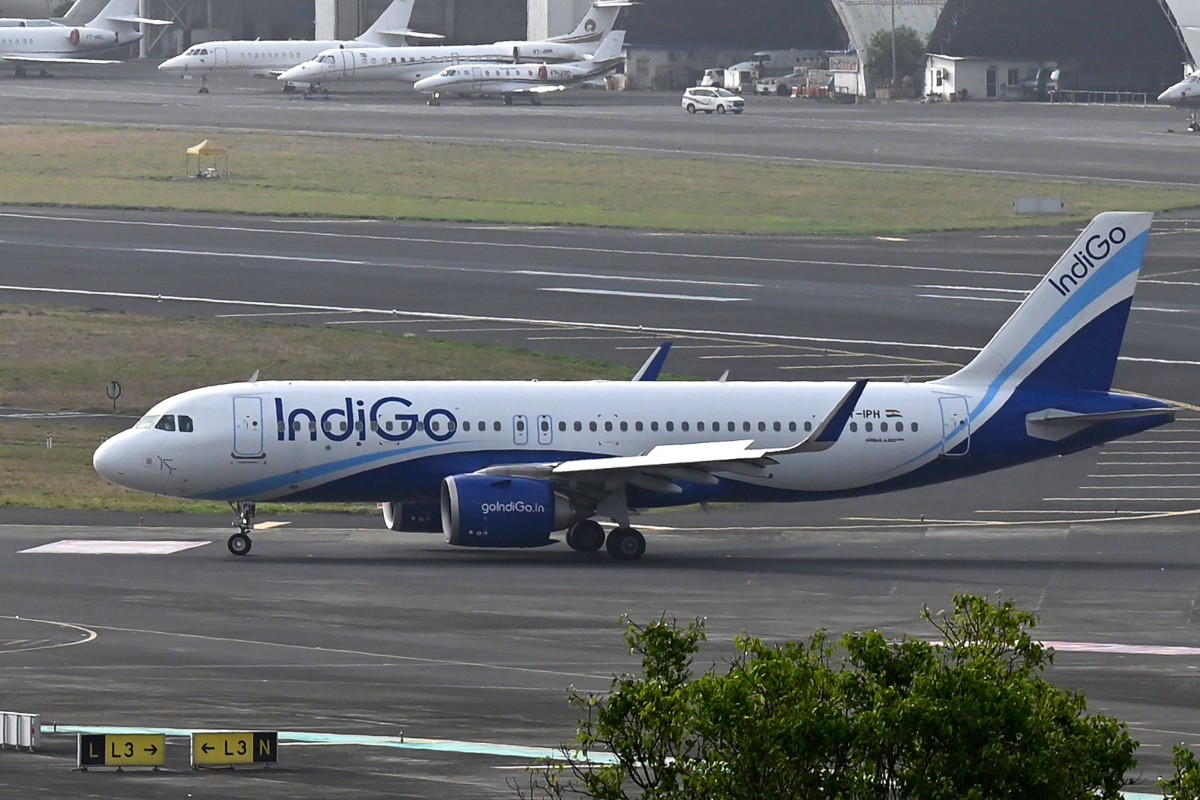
[709, 99]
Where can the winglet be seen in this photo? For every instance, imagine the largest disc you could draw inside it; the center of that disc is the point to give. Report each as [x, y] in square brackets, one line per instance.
[830, 428]
[654, 364]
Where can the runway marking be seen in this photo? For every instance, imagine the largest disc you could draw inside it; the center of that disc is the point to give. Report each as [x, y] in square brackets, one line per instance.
[1044, 511]
[1146, 475]
[522, 246]
[88, 634]
[220, 254]
[349, 652]
[1021, 292]
[1124, 649]
[1134, 487]
[631, 278]
[433, 315]
[1145, 463]
[648, 295]
[1011, 301]
[1120, 499]
[114, 547]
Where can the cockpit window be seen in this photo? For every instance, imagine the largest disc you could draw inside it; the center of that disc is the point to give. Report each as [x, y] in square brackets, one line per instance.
[326, 60]
[185, 424]
[165, 423]
[146, 422]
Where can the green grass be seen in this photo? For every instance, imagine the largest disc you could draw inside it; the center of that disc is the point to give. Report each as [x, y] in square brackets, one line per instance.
[340, 176]
[62, 360]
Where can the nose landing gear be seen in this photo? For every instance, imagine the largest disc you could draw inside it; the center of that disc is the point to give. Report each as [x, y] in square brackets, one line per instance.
[239, 543]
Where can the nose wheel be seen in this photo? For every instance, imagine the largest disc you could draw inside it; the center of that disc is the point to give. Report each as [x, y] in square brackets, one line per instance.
[239, 543]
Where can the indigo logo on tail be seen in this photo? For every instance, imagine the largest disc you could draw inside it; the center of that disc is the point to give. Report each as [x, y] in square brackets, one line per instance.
[1094, 252]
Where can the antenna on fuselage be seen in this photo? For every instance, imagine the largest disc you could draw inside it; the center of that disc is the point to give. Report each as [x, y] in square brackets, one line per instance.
[254, 377]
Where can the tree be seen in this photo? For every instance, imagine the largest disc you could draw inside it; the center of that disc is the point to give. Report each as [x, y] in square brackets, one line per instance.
[1185, 784]
[970, 716]
[910, 55]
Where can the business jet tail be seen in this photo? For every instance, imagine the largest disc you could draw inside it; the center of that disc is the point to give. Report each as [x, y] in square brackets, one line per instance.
[1067, 333]
[595, 25]
[122, 17]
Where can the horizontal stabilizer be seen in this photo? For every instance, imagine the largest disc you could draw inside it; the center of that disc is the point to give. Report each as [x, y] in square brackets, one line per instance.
[141, 21]
[411, 34]
[1055, 424]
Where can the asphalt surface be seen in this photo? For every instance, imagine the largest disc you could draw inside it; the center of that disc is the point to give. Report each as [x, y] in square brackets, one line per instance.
[333, 627]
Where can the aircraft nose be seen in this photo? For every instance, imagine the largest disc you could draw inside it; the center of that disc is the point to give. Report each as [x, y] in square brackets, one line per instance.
[110, 462]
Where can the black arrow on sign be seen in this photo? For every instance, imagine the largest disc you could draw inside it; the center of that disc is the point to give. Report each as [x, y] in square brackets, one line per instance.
[207, 748]
[152, 749]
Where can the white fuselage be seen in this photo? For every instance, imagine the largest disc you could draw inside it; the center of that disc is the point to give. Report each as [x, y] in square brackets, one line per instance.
[411, 64]
[247, 57]
[499, 78]
[50, 39]
[275, 440]
[1184, 93]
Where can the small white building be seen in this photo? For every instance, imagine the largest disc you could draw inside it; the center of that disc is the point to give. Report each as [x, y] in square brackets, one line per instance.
[977, 78]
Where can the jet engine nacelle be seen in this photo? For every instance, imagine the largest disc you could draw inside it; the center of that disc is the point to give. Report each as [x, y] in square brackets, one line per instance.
[545, 51]
[412, 517]
[490, 511]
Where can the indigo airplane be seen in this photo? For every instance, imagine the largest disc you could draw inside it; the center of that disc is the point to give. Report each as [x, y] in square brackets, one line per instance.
[508, 464]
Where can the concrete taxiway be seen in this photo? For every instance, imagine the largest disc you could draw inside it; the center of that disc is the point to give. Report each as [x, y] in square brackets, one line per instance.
[348, 638]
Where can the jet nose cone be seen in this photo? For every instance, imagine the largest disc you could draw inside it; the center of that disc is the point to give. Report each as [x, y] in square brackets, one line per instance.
[109, 461]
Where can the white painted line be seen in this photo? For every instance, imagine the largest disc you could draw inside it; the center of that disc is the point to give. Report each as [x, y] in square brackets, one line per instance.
[1124, 649]
[1012, 301]
[1123, 475]
[1120, 499]
[947, 287]
[646, 295]
[631, 278]
[256, 256]
[430, 315]
[1135, 487]
[1044, 511]
[113, 547]
[1146, 463]
[492, 244]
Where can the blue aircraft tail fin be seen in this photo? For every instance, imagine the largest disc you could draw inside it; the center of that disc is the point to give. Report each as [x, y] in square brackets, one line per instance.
[1068, 331]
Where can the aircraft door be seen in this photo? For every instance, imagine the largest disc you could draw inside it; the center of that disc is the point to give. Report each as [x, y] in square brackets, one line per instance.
[220, 57]
[520, 429]
[476, 78]
[347, 62]
[956, 426]
[248, 428]
[545, 430]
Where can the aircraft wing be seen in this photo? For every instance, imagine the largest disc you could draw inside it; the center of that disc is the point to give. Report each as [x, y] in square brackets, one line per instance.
[660, 468]
[16, 58]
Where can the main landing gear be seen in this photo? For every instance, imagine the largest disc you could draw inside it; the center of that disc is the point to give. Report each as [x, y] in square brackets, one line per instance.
[239, 543]
[623, 544]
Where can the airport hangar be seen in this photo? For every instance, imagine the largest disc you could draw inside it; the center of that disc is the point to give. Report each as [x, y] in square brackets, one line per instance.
[1111, 45]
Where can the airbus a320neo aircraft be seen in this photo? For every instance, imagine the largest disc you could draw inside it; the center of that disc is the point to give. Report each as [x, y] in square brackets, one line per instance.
[507, 464]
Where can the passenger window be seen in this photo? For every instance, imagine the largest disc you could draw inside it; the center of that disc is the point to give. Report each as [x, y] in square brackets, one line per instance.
[578, 426]
[746, 427]
[883, 427]
[807, 426]
[792, 427]
[608, 426]
[637, 426]
[732, 427]
[496, 426]
[913, 427]
[670, 426]
[683, 426]
[900, 427]
[854, 427]
[762, 426]
[520, 426]
[466, 426]
[778, 427]
[654, 425]
[545, 425]
[185, 424]
[167, 423]
[562, 427]
[624, 426]
[868, 427]
[592, 427]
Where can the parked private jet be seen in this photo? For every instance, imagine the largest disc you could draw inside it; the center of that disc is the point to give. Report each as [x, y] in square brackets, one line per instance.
[533, 80]
[508, 464]
[41, 42]
[271, 57]
[1185, 94]
[411, 64]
